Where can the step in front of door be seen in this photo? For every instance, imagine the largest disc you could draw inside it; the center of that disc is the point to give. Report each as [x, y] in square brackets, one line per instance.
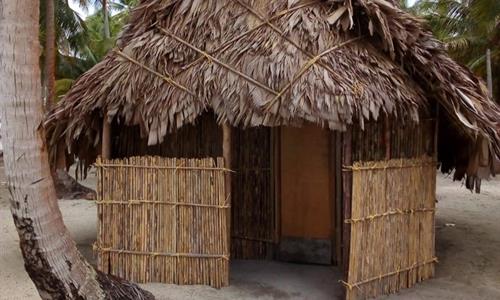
[305, 250]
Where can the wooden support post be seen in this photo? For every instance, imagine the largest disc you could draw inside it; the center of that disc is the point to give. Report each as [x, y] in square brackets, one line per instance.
[227, 155]
[106, 139]
[387, 137]
[347, 195]
[436, 134]
[276, 180]
[337, 173]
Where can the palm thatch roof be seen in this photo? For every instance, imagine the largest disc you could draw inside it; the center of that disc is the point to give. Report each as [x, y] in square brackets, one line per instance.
[259, 62]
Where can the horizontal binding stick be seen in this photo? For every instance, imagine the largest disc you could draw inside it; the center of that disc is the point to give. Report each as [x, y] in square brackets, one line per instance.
[367, 168]
[391, 213]
[97, 248]
[166, 252]
[162, 167]
[137, 202]
[246, 238]
[351, 286]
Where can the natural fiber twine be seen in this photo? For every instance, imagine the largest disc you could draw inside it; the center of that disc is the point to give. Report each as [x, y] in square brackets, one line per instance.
[311, 62]
[163, 220]
[138, 202]
[391, 226]
[167, 78]
[391, 164]
[157, 79]
[103, 165]
[222, 64]
[391, 213]
[97, 248]
[351, 286]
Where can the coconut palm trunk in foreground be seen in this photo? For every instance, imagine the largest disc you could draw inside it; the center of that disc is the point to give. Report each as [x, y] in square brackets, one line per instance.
[51, 258]
[50, 53]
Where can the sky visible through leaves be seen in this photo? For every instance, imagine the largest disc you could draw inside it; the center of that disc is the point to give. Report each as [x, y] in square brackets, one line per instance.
[74, 5]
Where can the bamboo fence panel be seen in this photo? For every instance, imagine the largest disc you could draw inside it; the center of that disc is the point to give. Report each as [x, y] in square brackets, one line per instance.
[163, 220]
[392, 226]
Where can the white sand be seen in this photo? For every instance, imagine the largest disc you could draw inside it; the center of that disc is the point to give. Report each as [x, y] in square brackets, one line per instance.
[469, 256]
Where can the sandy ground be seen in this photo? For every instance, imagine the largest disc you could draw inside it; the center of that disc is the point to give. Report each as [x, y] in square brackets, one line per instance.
[468, 246]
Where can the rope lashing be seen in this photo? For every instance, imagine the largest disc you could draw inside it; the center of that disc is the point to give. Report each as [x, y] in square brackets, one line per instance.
[216, 60]
[137, 202]
[351, 286]
[390, 213]
[103, 165]
[305, 68]
[98, 248]
[168, 78]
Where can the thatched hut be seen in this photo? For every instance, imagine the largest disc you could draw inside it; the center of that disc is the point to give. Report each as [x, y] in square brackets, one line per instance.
[331, 114]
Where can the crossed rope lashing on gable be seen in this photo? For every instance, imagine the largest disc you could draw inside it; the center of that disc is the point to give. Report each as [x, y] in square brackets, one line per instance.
[209, 56]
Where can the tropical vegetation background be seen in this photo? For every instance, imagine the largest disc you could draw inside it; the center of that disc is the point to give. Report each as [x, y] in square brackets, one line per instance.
[78, 44]
[470, 29]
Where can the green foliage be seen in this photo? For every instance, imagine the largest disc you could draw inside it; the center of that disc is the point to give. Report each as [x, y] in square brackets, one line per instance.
[81, 43]
[62, 87]
[70, 28]
[97, 45]
[468, 29]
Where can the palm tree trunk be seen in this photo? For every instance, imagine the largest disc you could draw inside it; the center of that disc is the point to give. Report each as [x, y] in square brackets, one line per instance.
[489, 75]
[50, 54]
[51, 258]
[107, 31]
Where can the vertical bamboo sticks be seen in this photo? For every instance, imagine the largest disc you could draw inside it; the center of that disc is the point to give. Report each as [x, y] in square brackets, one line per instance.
[254, 210]
[391, 226]
[164, 220]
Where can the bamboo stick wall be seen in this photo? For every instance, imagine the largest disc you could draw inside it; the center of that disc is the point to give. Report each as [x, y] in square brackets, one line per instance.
[382, 141]
[391, 226]
[199, 140]
[253, 206]
[163, 220]
[253, 211]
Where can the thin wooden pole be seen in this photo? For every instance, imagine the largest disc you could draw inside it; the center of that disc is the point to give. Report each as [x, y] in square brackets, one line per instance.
[276, 179]
[387, 137]
[106, 139]
[436, 134]
[489, 75]
[338, 197]
[347, 197]
[333, 196]
[227, 155]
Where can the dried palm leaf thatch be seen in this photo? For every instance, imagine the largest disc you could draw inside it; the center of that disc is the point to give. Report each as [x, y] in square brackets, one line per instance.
[256, 62]
[474, 118]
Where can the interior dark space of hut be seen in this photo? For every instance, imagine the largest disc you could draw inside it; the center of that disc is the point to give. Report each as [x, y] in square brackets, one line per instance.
[288, 202]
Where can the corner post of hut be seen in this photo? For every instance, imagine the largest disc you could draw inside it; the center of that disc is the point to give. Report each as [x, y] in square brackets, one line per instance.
[106, 138]
[227, 155]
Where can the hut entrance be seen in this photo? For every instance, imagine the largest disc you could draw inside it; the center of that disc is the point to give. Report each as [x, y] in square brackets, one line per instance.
[306, 194]
[282, 194]
[282, 207]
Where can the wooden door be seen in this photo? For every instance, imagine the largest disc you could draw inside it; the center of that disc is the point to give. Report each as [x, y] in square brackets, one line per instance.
[306, 195]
